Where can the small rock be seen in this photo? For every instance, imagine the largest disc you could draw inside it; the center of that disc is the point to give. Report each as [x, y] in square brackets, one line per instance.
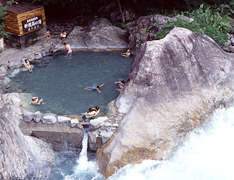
[38, 56]
[63, 119]
[74, 122]
[3, 71]
[27, 116]
[23, 88]
[37, 116]
[49, 119]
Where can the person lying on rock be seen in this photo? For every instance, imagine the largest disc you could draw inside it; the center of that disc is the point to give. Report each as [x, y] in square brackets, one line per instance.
[36, 101]
[121, 85]
[27, 65]
[68, 48]
[94, 88]
[126, 54]
[92, 112]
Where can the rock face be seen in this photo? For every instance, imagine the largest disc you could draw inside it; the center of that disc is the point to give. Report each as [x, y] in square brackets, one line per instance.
[144, 29]
[175, 83]
[21, 157]
[99, 35]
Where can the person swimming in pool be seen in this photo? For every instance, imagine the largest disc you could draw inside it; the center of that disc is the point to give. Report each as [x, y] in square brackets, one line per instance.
[94, 88]
[126, 54]
[121, 85]
[36, 101]
[27, 65]
[68, 48]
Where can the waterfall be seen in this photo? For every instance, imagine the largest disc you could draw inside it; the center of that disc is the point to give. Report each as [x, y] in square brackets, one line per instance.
[85, 169]
[207, 153]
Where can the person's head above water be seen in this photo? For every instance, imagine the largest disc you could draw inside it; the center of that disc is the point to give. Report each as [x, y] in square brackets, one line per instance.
[96, 107]
[64, 43]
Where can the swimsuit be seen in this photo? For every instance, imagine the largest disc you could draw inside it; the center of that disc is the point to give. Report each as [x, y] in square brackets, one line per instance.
[92, 88]
[69, 51]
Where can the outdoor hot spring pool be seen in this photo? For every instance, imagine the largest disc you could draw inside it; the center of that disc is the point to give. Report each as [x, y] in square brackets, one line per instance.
[61, 83]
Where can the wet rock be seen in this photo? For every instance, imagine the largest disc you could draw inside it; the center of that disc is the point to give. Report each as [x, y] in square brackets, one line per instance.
[36, 61]
[23, 88]
[174, 85]
[13, 73]
[13, 86]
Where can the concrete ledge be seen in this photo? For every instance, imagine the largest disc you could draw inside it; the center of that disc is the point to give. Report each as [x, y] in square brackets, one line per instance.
[61, 136]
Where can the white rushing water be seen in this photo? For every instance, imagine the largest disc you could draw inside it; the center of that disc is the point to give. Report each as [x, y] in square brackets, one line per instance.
[207, 154]
[84, 169]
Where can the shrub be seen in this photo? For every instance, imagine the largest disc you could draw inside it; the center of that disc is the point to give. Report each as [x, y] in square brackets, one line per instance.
[205, 22]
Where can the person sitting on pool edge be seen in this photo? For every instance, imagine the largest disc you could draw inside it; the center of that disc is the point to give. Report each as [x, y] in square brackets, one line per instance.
[35, 101]
[126, 54]
[92, 113]
[27, 65]
[94, 88]
[68, 48]
[121, 85]
[63, 35]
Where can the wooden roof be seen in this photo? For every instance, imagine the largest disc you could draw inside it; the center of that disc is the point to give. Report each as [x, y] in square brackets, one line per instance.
[22, 7]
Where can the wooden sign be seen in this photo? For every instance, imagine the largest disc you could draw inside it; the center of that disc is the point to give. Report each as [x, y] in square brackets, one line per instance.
[32, 24]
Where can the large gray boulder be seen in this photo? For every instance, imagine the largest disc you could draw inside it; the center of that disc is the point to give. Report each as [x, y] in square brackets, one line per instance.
[21, 157]
[175, 83]
[99, 35]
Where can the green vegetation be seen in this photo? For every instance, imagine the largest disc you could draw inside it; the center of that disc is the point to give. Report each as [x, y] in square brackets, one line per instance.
[212, 22]
[2, 14]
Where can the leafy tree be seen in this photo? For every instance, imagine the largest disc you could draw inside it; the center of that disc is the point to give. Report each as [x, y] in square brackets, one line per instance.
[3, 11]
[205, 22]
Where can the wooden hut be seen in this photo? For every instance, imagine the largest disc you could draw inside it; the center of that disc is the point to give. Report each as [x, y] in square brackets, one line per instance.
[23, 22]
[24, 18]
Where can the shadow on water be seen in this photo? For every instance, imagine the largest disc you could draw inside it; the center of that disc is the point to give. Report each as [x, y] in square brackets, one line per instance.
[61, 83]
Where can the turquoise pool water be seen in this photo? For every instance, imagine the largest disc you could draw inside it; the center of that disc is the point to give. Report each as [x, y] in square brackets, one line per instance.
[61, 83]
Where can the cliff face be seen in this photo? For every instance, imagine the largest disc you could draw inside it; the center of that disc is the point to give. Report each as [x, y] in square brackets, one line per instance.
[174, 85]
[21, 157]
